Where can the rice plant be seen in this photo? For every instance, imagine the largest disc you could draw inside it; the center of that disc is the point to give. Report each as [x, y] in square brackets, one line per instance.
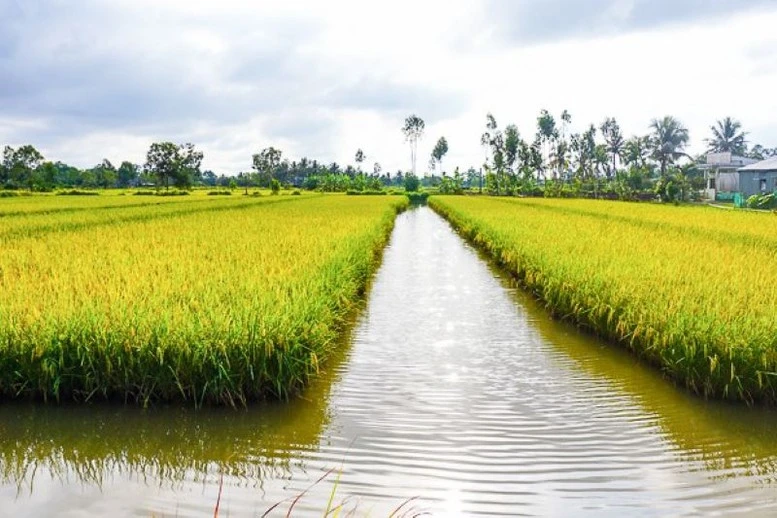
[211, 301]
[691, 289]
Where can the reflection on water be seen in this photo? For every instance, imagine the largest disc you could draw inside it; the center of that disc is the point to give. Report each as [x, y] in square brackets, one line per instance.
[456, 388]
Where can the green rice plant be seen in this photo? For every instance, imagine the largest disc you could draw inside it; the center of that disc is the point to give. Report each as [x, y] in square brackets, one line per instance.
[218, 302]
[691, 290]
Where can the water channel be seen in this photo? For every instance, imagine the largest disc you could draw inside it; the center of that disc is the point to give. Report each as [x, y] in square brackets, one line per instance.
[455, 394]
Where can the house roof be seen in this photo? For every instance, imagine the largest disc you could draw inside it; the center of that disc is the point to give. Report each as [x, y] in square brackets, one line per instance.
[770, 164]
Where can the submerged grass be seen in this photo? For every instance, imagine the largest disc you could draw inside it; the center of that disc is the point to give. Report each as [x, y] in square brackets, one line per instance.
[205, 306]
[692, 290]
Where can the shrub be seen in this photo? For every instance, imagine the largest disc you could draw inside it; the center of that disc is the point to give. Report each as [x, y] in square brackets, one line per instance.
[173, 193]
[762, 201]
[418, 198]
[220, 193]
[354, 192]
[78, 192]
[412, 183]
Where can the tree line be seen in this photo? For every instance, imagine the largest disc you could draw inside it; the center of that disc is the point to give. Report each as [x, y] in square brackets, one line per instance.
[601, 161]
[552, 161]
[179, 165]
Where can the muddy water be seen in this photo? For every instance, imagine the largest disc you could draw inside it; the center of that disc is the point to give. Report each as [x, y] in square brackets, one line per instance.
[454, 389]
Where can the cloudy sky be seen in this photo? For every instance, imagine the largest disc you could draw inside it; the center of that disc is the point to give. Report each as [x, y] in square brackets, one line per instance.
[96, 79]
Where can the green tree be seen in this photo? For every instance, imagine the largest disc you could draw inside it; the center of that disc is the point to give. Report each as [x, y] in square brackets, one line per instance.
[727, 136]
[360, 158]
[127, 174]
[88, 178]
[512, 146]
[439, 151]
[169, 162]
[20, 165]
[584, 150]
[668, 141]
[760, 153]
[547, 132]
[246, 179]
[67, 176]
[559, 157]
[189, 164]
[414, 131]
[266, 162]
[614, 140]
[636, 151]
[493, 140]
[105, 174]
[412, 183]
[45, 176]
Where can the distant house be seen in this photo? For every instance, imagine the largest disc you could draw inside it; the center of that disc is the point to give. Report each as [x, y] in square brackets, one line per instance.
[758, 178]
[722, 174]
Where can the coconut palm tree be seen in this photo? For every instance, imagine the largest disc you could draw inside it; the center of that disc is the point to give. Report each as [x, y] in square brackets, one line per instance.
[668, 141]
[559, 158]
[727, 137]
[614, 139]
[636, 151]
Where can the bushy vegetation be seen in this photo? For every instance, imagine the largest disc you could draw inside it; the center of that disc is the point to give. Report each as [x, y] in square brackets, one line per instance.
[77, 192]
[762, 201]
[352, 192]
[145, 302]
[172, 193]
[418, 198]
[688, 288]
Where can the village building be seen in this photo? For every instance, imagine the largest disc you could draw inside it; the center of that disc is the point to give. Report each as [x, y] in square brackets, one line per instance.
[758, 178]
[722, 176]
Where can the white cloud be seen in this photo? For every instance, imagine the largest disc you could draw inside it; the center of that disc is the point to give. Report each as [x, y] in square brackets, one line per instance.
[322, 79]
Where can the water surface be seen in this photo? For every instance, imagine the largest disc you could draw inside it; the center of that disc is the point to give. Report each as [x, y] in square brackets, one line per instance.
[454, 388]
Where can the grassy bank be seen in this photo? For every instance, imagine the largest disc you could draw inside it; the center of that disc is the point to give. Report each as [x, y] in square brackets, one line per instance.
[222, 301]
[689, 289]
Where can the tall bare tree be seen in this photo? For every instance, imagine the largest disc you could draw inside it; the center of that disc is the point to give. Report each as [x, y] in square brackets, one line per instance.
[414, 131]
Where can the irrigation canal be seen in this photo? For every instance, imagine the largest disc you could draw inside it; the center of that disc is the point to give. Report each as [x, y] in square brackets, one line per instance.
[454, 387]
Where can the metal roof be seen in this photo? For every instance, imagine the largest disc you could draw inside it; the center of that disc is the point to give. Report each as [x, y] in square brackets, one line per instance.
[770, 164]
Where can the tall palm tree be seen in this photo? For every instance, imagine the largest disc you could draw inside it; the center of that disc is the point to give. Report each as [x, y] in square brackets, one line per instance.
[727, 137]
[559, 158]
[614, 139]
[668, 141]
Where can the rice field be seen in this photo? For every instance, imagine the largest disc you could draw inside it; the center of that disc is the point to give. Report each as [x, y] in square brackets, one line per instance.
[691, 289]
[218, 300]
